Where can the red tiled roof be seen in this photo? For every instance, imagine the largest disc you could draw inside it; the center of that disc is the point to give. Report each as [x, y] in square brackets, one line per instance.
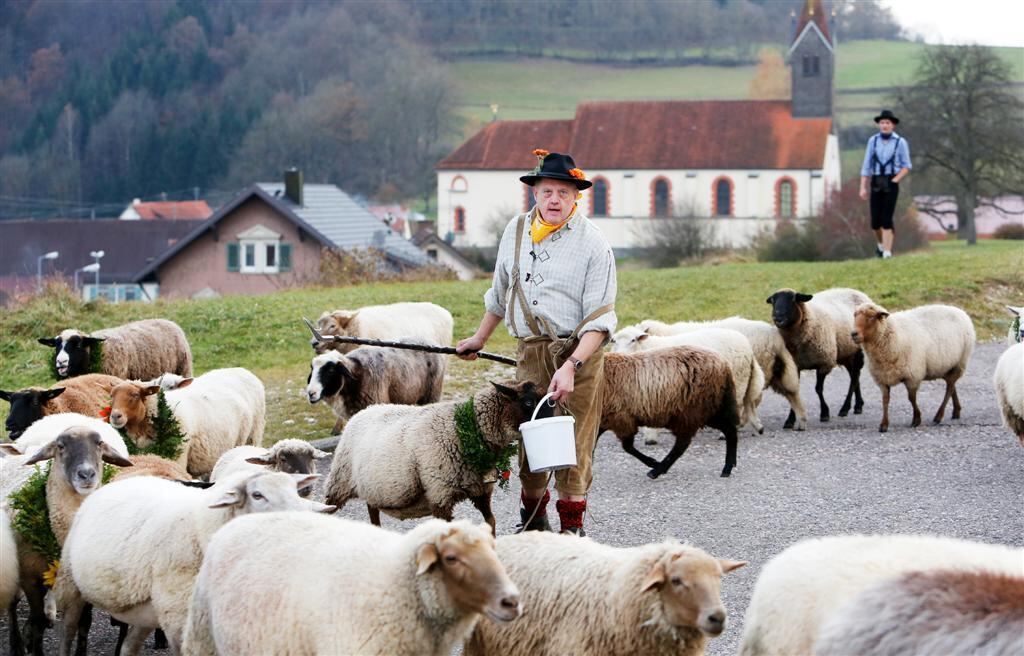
[182, 210]
[714, 134]
[812, 12]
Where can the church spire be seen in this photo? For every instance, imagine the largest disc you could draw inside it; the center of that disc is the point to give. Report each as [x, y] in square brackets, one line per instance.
[812, 12]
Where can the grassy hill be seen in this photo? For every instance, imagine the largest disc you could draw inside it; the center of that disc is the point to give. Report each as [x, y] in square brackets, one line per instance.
[265, 333]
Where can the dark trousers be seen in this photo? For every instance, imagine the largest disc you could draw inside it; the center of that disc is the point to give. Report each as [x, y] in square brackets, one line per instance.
[883, 207]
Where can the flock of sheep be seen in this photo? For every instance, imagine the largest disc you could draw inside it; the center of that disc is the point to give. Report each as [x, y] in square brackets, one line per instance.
[223, 551]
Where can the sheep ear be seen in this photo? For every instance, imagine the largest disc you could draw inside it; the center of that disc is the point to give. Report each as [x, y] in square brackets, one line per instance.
[771, 299]
[264, 459]
[110, 456]
[641, 337]
[51, 394]
[49, 341]
[229, 498]
[656, 578]
[185, 382]
[1015, 311]
[11, 449]
[6, 396]
[151, 390]
[324, 508]
[426, 556]
[92, 341]
[304, 480]
[881, 315]
[729, 565]
[507, 392]
[343, 317]
[317, 454]
[803, 298]
[45, 453]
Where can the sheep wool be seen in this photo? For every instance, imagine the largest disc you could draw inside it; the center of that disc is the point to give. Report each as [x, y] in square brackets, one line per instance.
[428, 321]
[8, 561]
[1009, 384]
[140, 350]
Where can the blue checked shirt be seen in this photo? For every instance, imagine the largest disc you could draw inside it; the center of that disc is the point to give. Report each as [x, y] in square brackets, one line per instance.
[883, 148]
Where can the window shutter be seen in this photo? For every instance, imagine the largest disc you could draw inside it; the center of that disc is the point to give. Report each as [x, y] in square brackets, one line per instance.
[284, 256]
[232, 257]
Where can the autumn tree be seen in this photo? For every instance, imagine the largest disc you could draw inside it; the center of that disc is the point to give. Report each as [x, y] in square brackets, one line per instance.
[771, 78]
[963, 120]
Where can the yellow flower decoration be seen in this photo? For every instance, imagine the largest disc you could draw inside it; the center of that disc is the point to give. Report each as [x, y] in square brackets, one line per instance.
[50, 575]
[578, 174]
[540, 152]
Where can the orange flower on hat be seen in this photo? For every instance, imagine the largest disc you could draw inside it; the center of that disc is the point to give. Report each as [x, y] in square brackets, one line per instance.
[578, 174]
[540, 152]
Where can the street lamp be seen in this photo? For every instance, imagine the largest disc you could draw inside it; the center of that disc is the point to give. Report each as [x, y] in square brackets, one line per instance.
[97, 255]
[88, 268]
[52, 255]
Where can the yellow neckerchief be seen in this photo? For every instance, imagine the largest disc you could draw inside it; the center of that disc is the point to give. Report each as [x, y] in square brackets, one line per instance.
[541, 229]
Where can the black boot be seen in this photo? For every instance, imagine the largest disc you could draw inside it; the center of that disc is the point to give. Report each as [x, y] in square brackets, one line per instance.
[538, 508]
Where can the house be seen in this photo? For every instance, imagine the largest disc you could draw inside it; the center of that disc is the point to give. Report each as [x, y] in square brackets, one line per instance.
[127, 248]
[183, 210]
[737, 165]
[439, 251]
[397, 217]
[989, 216]
[272, 236]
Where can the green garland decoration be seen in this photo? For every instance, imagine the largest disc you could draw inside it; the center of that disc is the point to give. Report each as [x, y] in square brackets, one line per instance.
[95, 362]
[169, 441]
[32, 516]
[475, 451]
[1015, 328]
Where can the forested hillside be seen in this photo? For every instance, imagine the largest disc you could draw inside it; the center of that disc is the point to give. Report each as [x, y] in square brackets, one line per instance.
[105, 101]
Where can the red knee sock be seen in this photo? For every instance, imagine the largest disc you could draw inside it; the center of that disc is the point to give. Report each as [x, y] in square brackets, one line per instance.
[529, 504]
[570, 513]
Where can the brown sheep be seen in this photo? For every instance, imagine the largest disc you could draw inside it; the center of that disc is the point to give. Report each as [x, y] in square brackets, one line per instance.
[680, 388]
[86, 395]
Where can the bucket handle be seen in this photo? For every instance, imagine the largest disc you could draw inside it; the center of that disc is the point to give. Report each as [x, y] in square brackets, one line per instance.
[540, 404]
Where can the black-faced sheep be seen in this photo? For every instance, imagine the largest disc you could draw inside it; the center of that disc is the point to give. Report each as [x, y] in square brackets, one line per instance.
[681, 388]
[370, 375]
[86, 395]
[1009, 384]
[407, 461]
[776, 361]
[940, 612]
[140, 350]
[582, 597]
[909, 347]
[136, 546]
[402, 595]
[431, 323]
[816, 329]
[799, 590]
[219, 410]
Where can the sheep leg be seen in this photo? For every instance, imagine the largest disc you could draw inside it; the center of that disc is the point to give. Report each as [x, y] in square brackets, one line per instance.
[442, 513]
[884, 426]
[912, 397]
[483, 504]
[339, 425]
[858, 366]
[374, 515]
[74, 611]
[14, 638]
[683, 440]
[84, 624]
[730, 450]
[628, 447]
[819, 387]
[160, 639]
[956, 402]
[134, 641]
[942, 406]
[790, 419]
[37, 621]
[122, 633]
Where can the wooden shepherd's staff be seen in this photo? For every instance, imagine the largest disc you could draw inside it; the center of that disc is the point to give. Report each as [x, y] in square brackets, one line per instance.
[429, 348]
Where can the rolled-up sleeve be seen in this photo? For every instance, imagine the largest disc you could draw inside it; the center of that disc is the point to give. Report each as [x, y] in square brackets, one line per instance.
[494, 298]
[865, 168]
[600, 289]
[903, 156]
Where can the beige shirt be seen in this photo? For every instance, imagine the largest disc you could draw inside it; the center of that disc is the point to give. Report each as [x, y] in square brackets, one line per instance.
[565, 277]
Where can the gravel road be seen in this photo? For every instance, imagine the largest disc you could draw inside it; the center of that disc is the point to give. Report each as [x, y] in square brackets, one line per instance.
[962, 479]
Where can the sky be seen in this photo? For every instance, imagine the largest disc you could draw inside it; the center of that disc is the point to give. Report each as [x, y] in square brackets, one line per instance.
[986, 22]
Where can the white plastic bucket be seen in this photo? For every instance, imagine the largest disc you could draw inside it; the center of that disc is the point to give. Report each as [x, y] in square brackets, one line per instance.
[550, 443]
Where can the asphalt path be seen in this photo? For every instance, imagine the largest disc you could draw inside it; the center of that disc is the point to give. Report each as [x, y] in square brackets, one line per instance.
[961, 479]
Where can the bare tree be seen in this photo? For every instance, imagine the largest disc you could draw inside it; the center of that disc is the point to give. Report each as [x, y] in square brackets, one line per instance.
[964, 124]
[684, 235]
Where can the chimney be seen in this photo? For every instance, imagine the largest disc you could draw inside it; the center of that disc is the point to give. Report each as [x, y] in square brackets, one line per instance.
[293, 185]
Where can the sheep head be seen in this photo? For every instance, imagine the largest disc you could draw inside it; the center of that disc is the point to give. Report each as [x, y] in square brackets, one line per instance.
[291, 457]
[522, 398]
[629, 340]
[246, 493]
[689, 583]
[73, 351]
[787, 307]
[464, 558]
[332, 323]
[128, 406]
[329, 373]
[79, 453]
[27, 406]
[868, 320]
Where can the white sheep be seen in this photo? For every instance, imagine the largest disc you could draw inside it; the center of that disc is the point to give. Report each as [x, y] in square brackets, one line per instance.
[8, 561]
[580, 596]
[1009, 384]
[376, 592]
[1015, 334]
[748, 378]
[816, 329]
[219, 410]
[290, 456]
[138, 350]
[776, 362]
[137, 544]
[428, 321]
[926, 343]
[407, 460]
[939, 612]
[798, 590]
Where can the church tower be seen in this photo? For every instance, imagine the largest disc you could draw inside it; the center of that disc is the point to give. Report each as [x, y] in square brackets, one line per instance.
[812, 63]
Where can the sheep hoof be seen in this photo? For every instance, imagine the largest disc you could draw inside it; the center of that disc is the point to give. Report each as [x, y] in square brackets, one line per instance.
[843, 413]
[858, 410]
[824, 419]
[726, 471]
[802, 426]
[883, 429]
[915, 423]
[760, 431]
[650, 441]
[936, 422]
[789, 425]
[654, 473]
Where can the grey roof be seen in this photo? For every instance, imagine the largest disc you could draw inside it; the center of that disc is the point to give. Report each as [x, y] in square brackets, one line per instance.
[344, 222]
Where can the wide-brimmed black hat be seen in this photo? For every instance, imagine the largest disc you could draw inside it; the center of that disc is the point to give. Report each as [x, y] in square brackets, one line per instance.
[556, 166]
[889, 115]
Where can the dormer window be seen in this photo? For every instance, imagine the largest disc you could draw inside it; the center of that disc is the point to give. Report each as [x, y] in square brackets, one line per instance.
[259, 250]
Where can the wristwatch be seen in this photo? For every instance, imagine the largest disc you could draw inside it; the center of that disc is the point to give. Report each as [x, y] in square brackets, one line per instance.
[577, 364]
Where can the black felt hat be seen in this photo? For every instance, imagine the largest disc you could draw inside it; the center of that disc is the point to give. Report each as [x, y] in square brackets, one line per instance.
[889, 115]
[556, 166]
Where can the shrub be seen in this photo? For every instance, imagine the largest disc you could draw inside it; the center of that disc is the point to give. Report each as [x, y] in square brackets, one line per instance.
[354, 267]
[790, 243]
[1009, 231]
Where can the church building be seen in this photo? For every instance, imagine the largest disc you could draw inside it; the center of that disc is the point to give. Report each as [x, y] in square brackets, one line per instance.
[738, 165]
